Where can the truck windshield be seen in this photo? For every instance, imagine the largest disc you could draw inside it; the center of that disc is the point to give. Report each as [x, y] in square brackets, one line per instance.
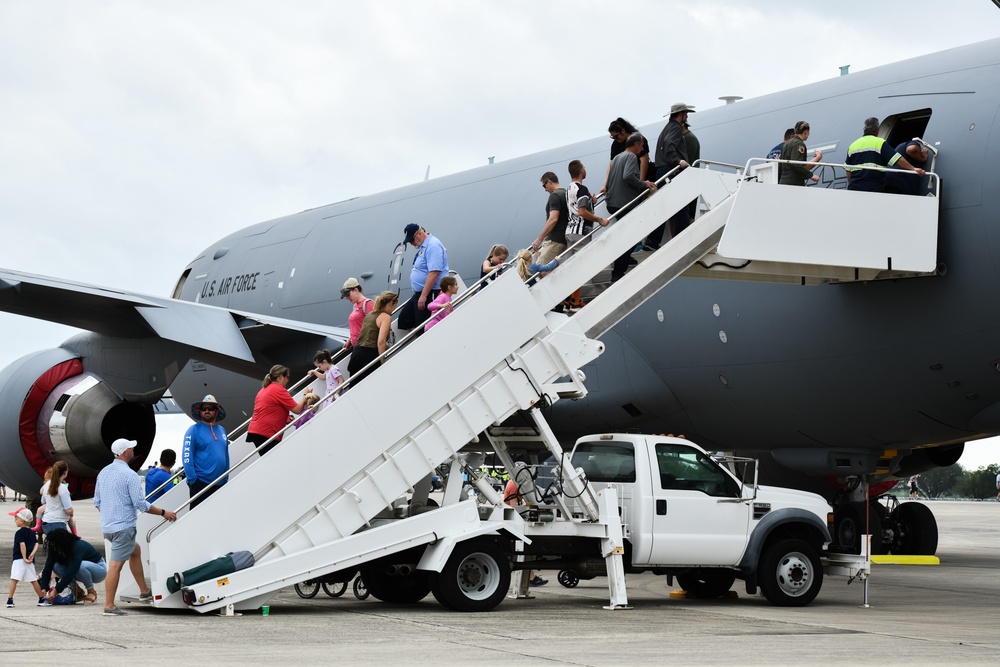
[688, 469]
[606, 461]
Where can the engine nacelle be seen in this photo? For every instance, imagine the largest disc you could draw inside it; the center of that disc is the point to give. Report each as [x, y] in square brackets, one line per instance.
[927, 458]
[52, 409]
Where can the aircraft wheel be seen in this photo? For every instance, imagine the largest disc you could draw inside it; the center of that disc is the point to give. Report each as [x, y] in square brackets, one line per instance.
[360, 590]
[707, 582]
[790, 573]
[568, 578]
[396, 589]
[336, 589]
[849, 527]
[475, 578]
[914, 530]
[308, 588]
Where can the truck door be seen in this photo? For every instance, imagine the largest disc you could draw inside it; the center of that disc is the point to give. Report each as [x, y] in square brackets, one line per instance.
[690, 526]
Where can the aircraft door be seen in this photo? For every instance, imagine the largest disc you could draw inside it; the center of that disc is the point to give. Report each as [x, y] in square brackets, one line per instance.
[394, 281]
[690, 526]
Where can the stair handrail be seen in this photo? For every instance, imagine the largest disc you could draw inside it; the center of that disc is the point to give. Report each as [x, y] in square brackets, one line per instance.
[933, 184]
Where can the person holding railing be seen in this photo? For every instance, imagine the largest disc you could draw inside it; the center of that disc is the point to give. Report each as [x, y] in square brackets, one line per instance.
[624, 185]
[374, 338]
[326, 370]
[206, 450]
[498, 255]
[441, 307]
[917, 155]
[429, 265]
[671, 152]
[620, 130]
[271, 408]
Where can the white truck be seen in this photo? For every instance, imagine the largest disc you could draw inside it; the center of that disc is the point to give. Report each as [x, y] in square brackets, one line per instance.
[663, 505]
[687, 515]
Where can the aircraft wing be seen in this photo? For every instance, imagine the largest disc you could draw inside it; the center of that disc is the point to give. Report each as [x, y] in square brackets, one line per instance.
[122, 314]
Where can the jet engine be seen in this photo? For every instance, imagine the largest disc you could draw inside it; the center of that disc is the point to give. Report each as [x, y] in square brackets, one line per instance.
[52, 409]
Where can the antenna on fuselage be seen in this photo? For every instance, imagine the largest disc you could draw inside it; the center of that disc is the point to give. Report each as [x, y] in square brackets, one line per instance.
[427, 174]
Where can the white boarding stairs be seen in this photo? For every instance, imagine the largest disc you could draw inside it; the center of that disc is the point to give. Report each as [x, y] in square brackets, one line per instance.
[299, 509]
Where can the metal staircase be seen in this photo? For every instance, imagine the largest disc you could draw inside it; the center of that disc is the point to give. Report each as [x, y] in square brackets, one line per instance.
[329, 485]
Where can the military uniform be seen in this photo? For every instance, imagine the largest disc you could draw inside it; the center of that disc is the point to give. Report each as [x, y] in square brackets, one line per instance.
[793, 174]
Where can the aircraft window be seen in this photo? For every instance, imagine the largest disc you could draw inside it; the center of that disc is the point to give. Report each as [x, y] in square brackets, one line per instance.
[606, 461]
[687, 469]
[902, 127]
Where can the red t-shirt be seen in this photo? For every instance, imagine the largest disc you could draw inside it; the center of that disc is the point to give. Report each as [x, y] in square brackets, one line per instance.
[270, 410]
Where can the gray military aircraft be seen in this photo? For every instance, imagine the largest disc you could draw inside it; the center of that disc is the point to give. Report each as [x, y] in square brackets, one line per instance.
[869, 379]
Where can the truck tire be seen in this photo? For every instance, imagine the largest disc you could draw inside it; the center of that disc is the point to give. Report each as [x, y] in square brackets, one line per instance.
[914, 530]
[790, 573]
[475, 578]
[396, 589]
[707, 582]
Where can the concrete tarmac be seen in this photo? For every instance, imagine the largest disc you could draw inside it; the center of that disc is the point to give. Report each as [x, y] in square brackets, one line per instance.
[919, 615]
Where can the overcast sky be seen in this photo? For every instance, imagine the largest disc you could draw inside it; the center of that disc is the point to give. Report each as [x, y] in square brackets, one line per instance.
[133, 134]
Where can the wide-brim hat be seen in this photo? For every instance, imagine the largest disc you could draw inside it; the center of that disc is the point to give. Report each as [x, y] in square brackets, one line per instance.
[679, 107]
[208, 400]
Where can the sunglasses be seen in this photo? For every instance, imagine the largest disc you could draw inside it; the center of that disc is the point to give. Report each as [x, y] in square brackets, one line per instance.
[210, 409]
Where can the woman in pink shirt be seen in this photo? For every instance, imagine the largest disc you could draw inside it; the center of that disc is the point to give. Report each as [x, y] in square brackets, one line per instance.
[271, 408]
[362, 306]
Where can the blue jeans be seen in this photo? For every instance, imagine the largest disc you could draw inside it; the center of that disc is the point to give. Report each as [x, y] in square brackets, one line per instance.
[49, 527]
[90, 573]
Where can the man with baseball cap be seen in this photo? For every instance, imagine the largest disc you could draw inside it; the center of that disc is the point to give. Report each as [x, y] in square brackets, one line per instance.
[205, 455]
[429, 266]
[117, 496]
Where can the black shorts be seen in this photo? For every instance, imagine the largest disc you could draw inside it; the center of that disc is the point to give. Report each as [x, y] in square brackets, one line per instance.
[410, 316]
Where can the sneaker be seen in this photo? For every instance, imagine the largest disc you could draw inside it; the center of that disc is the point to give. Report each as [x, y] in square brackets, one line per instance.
[10, 603]
[42, 602]
[147, 596]
[115, 611]
[537, 581]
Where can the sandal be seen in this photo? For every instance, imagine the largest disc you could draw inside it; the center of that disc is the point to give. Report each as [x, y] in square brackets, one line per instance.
[90, 597]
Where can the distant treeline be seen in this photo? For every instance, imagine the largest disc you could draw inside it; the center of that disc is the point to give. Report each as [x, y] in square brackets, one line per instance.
[956, 482]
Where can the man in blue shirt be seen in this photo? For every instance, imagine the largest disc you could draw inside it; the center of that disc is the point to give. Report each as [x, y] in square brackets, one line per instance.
[429, 266]
[157, 477]
[775, 153]
[118, 496]
[206, 450]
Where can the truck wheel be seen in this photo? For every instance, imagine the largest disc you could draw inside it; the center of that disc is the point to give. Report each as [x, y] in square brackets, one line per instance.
[914, 530]
[707, 582]
[308, 588]
[790, 573]
[396, 589]
[475, 578]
